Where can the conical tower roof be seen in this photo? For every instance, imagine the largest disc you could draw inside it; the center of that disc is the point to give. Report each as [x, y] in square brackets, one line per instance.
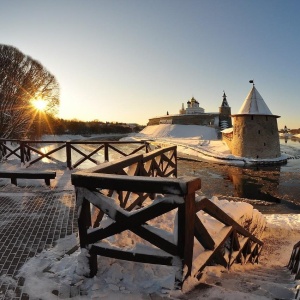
[224, 102]
[254, 104]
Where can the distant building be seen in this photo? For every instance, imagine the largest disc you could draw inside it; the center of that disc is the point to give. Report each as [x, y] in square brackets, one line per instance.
[224, 114]
[255, 132]
[192, 108]
[193, 114]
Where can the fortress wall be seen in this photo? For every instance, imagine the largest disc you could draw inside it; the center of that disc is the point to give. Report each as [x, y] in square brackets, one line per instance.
[205, 119]
[201, 119]
[153, 121]
[227, 139]
[255, 136]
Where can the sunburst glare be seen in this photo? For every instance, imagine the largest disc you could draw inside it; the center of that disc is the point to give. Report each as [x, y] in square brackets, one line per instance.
[39, 104]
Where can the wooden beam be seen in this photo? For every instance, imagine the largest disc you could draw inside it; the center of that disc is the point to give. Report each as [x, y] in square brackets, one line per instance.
[136, 183]
[203, 236]
[132, 256]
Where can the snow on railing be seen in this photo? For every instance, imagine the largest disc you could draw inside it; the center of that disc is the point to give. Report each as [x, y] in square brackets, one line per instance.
[133, 198]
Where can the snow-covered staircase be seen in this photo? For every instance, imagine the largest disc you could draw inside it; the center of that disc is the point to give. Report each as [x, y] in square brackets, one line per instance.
[271, 283]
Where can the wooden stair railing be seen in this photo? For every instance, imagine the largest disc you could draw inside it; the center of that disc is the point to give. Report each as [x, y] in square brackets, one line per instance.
[243, 247]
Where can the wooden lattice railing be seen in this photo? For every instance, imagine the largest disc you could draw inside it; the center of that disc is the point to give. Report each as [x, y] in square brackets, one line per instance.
[294, 263]
[23, 150]
[133, 201]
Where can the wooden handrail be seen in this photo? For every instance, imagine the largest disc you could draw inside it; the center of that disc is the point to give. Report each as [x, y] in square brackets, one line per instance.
[162, 185]
[209, 207]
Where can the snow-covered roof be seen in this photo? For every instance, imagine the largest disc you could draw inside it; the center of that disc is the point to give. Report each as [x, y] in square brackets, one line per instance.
[254, 104]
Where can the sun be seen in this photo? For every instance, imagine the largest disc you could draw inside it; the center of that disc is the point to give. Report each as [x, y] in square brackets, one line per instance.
[39, 104]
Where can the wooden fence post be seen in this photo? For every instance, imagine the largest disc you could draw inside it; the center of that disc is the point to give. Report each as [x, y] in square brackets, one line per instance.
[175, 157]
[68, 154]
[2, 149]
[180, 245]
[27, 153]
[22, 151]
[84, 223]
[147, 147]
[190, 212]
[106, 157]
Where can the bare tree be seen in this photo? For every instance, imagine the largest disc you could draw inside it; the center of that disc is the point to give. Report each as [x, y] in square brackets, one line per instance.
[23, 79]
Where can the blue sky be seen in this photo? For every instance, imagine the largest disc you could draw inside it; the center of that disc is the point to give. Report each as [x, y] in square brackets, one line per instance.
[131, 60]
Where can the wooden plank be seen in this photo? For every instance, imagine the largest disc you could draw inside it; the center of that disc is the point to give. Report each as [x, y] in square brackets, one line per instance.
[132, 256]
[28, 174]
[161, 185]
[235, 244]
[117, 150]
[125, 220]
[203, 258]
[96, 216]
[93, 264]
[190, 214]
[89, 142]
[138, 201]
[203, 236]
[43, 155]
[296, 262]
[11, 151]
[219, 259]
[151, 155]
[86, 156]
[84, 222]
[213, 210]
[236, 254]
[181, 230]
[155, 239]
[116, 165]
[138, 149]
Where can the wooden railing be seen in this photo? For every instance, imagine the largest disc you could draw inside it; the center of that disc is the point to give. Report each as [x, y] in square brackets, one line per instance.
[24, 149]
[294, 263]
[133, 192]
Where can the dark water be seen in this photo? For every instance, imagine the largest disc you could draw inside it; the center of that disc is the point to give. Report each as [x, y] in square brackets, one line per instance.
[274, 189]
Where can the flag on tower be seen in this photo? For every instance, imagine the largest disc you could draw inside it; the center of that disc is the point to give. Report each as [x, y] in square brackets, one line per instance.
[251, 81]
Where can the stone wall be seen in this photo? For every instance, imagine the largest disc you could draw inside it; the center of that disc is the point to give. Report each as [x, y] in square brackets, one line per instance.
[202, 119]
[154, 121]
[255, 136]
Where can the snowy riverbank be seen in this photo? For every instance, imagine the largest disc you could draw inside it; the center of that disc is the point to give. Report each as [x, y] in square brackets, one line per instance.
[198, 142]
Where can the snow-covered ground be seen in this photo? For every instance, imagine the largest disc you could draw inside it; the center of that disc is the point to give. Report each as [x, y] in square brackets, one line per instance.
[55, 271]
